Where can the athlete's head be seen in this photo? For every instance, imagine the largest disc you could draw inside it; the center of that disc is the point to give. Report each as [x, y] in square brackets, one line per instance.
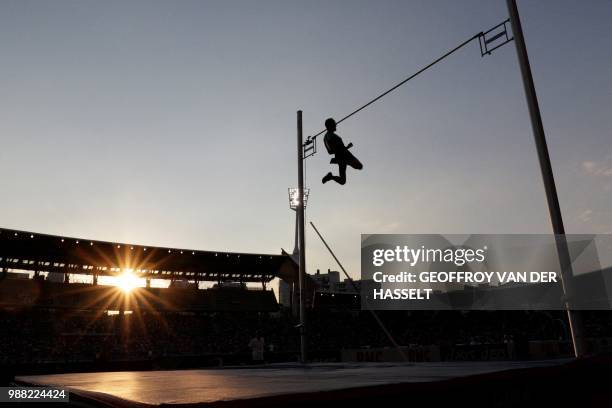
[330, 124]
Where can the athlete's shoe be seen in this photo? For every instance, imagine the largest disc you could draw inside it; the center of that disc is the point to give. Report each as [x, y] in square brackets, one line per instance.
[327, 178]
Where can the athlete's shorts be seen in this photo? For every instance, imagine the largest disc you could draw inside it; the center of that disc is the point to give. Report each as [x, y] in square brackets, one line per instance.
[348, 158]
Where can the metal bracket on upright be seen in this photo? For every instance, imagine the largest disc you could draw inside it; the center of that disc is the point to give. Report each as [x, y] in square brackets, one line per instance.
[310, 147]
[494, 38]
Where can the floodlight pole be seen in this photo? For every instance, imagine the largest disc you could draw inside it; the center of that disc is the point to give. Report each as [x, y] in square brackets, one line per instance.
[301, 237]
[554, 209]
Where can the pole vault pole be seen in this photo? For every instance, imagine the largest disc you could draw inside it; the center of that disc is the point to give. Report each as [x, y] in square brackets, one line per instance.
[301, 237]
[547, 176]
[356, 289]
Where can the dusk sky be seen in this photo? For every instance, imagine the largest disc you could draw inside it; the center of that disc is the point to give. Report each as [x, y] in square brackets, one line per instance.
[172, 123]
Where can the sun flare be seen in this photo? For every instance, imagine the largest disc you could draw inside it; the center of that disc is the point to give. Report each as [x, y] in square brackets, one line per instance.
[127, 281]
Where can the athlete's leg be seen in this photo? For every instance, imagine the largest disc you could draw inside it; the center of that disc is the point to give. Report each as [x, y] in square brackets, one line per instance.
[353, 161]
[341, 179]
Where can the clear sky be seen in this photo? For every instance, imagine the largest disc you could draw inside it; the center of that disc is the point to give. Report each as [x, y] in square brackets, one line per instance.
[173, 122]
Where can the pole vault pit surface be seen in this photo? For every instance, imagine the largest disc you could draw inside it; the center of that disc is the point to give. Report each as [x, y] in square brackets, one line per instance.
[329, 384]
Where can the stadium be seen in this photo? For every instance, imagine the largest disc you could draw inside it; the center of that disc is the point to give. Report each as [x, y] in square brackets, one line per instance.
[213, 303]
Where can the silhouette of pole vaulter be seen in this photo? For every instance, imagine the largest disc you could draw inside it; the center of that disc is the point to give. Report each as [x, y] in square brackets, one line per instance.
[342, 156]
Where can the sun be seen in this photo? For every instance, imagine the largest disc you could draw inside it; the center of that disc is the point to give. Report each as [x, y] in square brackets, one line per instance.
[127, 281]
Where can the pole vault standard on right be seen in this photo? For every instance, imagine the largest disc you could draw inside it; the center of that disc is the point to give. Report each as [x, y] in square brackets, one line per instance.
[548, 179]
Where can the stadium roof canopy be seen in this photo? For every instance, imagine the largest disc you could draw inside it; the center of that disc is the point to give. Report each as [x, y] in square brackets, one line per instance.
[22, 250]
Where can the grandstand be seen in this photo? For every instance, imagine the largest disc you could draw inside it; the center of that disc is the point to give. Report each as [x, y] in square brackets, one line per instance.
[60, 316]
[53, 261]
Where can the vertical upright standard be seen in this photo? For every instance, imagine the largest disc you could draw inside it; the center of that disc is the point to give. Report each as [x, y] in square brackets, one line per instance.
[547, 176]
[301, 237]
